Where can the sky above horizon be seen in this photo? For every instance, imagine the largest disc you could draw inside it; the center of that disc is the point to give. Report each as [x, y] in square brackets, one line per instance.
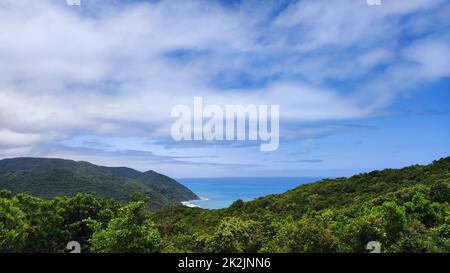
[360, 87]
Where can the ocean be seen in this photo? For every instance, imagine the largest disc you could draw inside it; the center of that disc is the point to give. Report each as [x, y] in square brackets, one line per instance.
[217, 193]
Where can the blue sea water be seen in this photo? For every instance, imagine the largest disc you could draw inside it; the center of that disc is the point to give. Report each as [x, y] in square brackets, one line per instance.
[219, 193]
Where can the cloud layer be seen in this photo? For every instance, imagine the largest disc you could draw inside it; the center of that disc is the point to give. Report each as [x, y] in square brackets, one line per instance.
[115, 69]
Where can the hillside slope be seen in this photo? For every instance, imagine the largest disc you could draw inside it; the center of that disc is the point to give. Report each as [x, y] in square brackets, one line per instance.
[406, 209]
[48, 177]
[363, 189]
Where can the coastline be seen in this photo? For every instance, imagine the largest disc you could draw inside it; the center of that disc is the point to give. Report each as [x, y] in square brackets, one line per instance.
[191, 204]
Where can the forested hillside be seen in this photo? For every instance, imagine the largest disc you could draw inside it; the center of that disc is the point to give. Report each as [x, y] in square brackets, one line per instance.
[47, 178]
[406, 210]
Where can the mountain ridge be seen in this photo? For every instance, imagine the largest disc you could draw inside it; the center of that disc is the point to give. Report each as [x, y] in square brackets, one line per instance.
[49, 177]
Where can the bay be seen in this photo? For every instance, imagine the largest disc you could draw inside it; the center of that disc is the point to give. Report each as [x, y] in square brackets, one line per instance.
[217, 193]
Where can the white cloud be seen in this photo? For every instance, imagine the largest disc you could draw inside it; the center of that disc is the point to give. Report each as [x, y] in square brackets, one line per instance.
[106, 72]
[375, 57]
[14, 139]
[433, 57]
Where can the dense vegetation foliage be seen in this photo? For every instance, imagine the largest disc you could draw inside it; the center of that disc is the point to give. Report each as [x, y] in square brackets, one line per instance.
[47, 178]
[405, 210]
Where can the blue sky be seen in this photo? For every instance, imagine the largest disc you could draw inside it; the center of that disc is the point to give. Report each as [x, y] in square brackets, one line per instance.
[359, 87]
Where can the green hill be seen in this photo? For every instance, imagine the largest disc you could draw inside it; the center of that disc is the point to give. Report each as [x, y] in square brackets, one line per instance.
[371, 188]
[406, 209]
[48, 177]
